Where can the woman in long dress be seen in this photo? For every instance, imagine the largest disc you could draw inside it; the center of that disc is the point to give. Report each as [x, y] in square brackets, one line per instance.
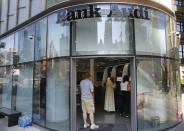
[109, 105]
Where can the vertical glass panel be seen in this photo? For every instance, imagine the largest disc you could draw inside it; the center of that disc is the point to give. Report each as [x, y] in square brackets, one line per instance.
[24, 44]
[12, 11]
[57, 95]
[58, 37]
[172, 42]
[4, 15]
[157, 84]
[23, 80]
[39, 93]
[53, 2]
[150, 35]
[22, 11]
[40, 40]
[7, 50]
[6, 85]
[102, 36]
[36, 7]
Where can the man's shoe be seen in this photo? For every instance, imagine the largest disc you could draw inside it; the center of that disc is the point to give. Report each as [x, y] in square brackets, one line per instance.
[86, 125]
[94, 126]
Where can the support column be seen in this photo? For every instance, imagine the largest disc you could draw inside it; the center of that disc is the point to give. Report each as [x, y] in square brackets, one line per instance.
[92, 70]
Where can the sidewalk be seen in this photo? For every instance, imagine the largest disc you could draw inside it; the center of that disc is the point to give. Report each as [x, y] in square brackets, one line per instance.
[4, 127]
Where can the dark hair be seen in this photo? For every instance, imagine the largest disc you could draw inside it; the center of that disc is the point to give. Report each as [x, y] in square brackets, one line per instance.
[126, 78]
[88, 75]
[112, 79]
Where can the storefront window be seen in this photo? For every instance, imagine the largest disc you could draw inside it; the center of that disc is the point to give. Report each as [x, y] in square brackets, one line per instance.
[7, 50]
[6, 86]
[40, 39]
[23, 82]
[39, 93]
[157, 86]
[150, 35]
[24, 44]
[57, 95]
[58, 37]
[102, 36]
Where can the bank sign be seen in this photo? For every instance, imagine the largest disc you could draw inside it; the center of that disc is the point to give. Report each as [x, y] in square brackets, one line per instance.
[97, 11]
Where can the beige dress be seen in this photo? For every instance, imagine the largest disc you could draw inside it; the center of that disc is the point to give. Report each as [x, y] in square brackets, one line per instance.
[109, 96]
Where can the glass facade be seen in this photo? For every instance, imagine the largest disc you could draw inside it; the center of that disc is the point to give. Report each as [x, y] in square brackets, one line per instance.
[157, 86]
[35, 62]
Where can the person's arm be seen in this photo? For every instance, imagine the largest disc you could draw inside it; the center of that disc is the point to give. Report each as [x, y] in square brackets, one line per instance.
[128, 86]
[92, 87]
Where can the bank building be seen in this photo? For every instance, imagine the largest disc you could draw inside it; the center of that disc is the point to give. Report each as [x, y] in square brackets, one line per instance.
[47, 46]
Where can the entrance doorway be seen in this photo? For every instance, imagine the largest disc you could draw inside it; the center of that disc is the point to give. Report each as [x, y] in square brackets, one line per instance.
[101, 69]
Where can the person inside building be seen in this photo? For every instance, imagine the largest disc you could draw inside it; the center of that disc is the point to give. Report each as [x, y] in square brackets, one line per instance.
[109, 105]
[87, 98]
[125, 97]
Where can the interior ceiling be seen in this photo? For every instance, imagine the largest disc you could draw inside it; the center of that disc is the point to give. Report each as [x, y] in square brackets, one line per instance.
[101, 62]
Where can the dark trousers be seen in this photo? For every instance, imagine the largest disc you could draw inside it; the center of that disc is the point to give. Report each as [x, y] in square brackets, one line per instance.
[125, 103]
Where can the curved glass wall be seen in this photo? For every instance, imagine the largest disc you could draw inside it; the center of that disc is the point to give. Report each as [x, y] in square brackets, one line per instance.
[37, 59]
[157, 87]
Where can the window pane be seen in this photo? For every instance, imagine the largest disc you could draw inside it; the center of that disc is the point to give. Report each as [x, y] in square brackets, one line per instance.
[23, 81]
[12, 10]
[24, 44]
[172, 42]
[57, 97]
[157, 86]
[102, 36]
[36, 7]
[22, 11]
[4, 15]
[53, 2]
[152, 39]
[6, 53]
[58, 37]
[6, 86]
[40, 40]
[39, 93]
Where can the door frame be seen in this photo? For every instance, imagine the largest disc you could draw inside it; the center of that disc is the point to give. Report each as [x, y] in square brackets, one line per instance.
[133, 74]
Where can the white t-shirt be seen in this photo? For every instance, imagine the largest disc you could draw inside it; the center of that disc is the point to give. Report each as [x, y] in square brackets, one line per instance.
[124, 86]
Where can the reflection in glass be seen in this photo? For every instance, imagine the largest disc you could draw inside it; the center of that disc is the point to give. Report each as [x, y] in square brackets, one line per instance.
[6, 53]
[22, 11]
[157, 86]
[23, 82]
[58, 37]
[102, 36]
[53, 2]
[57, 95]
[150, 35]
[39, 92]
[11, 16]
[40, 39]
[172, 42]
[36, 7]
[6, 86]
[24, 44]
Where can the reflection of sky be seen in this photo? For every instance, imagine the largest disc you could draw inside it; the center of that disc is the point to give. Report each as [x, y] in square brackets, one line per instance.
[56, 31]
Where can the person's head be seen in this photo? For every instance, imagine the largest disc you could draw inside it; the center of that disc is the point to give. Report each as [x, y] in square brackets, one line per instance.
[126, 78]
[112, 79]
[83, 76]
[88, 76]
